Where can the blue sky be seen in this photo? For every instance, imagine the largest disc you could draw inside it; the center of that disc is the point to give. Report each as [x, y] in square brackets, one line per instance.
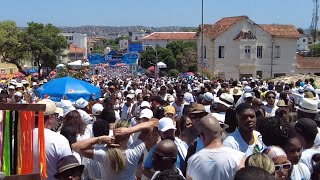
[154, 13]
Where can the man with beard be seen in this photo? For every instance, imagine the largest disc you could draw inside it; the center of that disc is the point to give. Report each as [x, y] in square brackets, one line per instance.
[166, 131]
[245, 138]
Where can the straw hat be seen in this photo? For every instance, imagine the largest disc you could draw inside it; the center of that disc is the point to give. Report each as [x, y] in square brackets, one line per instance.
[308, 105]
[281, 103]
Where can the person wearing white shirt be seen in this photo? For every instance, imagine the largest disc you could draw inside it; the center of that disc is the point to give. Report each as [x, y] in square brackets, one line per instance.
[212, 162]
[270, 108]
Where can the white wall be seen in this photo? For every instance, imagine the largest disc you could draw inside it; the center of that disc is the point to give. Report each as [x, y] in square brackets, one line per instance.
[235, 62]
[302, 43]
[80, 40]
[160, 43]
[137, 35]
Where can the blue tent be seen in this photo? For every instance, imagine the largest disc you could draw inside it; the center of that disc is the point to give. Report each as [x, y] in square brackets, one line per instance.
[72, 88]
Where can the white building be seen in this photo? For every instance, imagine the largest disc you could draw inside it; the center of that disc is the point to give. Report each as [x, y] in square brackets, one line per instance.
[163, 38]
[78, 39]
[136, 36]
[303, 43]
[237, 47]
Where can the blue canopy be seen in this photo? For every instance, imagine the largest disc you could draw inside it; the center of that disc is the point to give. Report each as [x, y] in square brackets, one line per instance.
[72, 88]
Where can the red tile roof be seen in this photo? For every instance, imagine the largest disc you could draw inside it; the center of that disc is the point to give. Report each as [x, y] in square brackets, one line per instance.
[221, 26]
[281, 31]
[74, 49]
[308, 62]
[170, 36]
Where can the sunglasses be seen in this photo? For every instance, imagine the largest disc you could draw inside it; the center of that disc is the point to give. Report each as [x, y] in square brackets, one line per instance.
[271, 97]
[285, 166]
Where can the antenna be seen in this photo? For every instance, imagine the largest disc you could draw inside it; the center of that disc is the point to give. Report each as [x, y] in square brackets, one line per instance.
[314, 23]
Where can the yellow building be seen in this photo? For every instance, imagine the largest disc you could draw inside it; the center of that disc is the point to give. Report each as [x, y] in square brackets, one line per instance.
[7, 68]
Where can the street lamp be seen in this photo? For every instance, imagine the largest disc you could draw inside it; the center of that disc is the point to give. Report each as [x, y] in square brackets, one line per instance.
[156, 66]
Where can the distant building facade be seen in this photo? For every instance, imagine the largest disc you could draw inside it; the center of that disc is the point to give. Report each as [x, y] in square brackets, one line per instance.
[236, 47]
[113, 36]
[161, 39]
[303, 43]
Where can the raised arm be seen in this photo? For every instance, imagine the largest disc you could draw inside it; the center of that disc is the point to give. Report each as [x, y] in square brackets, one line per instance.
[145, 128]
[85, 147]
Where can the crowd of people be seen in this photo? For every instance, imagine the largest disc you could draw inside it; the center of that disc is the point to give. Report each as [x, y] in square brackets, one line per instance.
[181, 128]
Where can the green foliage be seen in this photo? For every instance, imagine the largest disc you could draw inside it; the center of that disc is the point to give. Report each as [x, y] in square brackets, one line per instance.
[314, 50]
[12, 49]
[300, 30]
[173, 73]
[148, 58]
[100, 48]
[165, 55]
[44, 43]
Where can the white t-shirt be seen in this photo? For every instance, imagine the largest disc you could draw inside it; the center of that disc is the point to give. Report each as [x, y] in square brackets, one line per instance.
[270, 112]
[57, 146]
[132, 153]
[214, 164]
[207, 108]
[179, 109]
[306, 157]
[126, 112]
[300, 171]
[236, 142]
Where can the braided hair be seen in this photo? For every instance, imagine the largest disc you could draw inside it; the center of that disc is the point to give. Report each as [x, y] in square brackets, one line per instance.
[169, 174]
[276, 131]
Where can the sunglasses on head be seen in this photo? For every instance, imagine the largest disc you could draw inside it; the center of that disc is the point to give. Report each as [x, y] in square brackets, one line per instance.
[285, 166]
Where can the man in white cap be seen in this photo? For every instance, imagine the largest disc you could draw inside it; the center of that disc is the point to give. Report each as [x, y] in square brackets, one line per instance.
[167, 131]
[11, 91]
[207, 101]
[81, 105]
[57, 146]
[18, 98]
[127, 108]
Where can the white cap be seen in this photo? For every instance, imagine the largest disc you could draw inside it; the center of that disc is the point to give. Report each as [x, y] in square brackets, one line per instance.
[131, 96]
[208, 96]
[67, 106]
[247, 95]
[24, 81]
[247, 89]
[146, 113]
[18, 94]
[131, 91]
[11, 87]
[85, 116]
[166, 124]
[19, 85]
[81, 103]
[34, 84]
[145, 104]
[97, 109]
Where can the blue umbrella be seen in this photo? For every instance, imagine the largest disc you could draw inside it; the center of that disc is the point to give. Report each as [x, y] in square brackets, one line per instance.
[72, 88]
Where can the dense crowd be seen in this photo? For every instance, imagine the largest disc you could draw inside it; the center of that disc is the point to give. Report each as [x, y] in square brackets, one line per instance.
[181, 128]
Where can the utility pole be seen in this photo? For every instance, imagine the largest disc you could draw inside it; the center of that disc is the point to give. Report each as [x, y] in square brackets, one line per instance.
[202, 61]
[272, 55]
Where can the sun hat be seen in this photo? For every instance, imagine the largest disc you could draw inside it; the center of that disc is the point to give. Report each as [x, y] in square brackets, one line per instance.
[67, 106]
[236, 91]
[146, 113]
[208, 96]
[308, 105]
[19, 85]
[131, 96]
[81, 103]
[18, 94]
[67, 162]
[11, 87]
[145, 104]
[281, 103]
[169, 109]
[225, 99]
[97, 109]
[306, 127]
[165, 124]
[198, 108]
[247, 95]
[309, 95]
[51, 107]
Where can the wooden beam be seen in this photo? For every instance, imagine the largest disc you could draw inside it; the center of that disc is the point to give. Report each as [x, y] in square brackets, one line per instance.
[22, 107]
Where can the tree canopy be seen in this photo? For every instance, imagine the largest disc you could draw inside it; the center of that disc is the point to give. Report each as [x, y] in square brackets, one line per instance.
[41, 43]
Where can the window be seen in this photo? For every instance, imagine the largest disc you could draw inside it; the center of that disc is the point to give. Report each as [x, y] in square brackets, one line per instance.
[34, 63]
[221, 51]
[277, 52]
[304, 40]
[11, 71]
[259, 52]
[247, 51]
[204, 51]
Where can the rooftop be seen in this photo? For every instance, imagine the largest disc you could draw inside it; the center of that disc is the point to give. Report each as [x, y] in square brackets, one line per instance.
[308, 62]
[74, 49]
[279, 31]
[170, 36]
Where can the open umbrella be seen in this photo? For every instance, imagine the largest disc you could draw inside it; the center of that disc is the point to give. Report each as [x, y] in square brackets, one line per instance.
[72, 88]
[151, 68]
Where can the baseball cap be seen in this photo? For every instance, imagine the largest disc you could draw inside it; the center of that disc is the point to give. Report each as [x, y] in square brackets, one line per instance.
[145, 104]
[11, 87]
[131, 96]
[34, 83]
[146, 113]
[306, 127]
[67, 106]
[81, 103]
[208, 96]
[165, 124]
[97, 109]
[169, 109]
[51, 107]
[18, 94]
[247, 95]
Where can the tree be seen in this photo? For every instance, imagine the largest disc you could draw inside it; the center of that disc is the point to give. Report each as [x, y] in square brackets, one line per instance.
[300, 30]
[165, 55]
[148, 58]
[12, 49]
[187, 60]
[173, 73]
[44, 44]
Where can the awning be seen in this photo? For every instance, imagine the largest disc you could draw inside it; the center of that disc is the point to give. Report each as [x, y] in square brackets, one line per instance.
[161, 65]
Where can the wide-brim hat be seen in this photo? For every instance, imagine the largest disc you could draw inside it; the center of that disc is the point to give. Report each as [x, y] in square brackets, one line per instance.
[66, 163]
[225, 99]
[51, 107]
[236, 91]
[198, 108]
[282, 103]
[308, 105]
